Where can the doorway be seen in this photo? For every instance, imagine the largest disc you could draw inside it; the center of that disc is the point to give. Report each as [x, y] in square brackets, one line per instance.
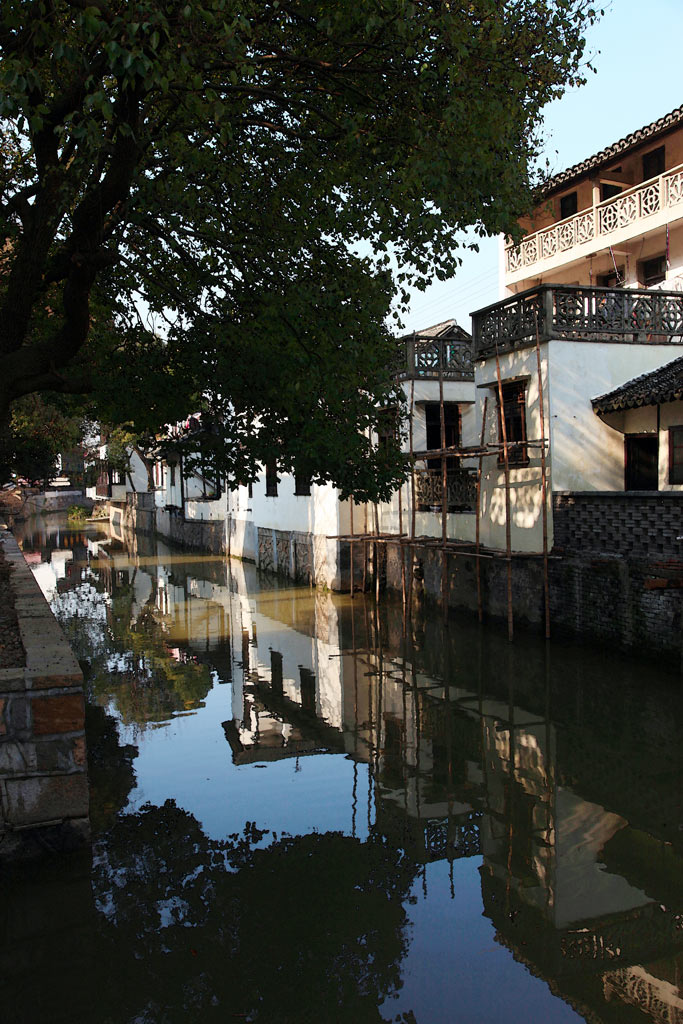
[642, 462]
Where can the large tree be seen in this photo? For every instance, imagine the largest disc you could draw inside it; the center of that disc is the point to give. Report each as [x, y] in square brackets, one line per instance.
[242, 172]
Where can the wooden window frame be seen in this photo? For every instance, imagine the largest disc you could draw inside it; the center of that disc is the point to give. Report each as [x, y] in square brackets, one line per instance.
[517, 456]
[675, 469]
[302, 486]
[272, 479]
[654, 278]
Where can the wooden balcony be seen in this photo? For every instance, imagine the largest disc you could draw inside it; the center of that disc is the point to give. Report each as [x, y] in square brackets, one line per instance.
[632, 212]
[574, 313]
[428, 357]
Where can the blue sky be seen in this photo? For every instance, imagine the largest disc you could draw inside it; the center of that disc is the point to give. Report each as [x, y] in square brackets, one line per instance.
[636, 51]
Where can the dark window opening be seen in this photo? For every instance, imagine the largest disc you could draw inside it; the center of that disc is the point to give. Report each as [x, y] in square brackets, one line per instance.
[302, 485]
[514, 410]
[652, 271]
[307, 689]
[642, 462]
[653, 163]
[608, 190]
[387, 428]
[615, 279]
[451, 415]
[676, 455]
[568, 205]
[276, 672]
[172, 467]
[250, 489]
[271, 478]
[245, 650]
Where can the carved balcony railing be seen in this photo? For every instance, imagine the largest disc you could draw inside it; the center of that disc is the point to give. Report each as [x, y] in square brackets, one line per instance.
[427, 358]
[631, 207]
[461, 490]
[574, 313]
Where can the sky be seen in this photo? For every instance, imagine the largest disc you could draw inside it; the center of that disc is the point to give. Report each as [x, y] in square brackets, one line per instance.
[636, 51]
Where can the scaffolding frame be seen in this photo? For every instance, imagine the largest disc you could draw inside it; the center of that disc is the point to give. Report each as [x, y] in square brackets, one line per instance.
[408, 542]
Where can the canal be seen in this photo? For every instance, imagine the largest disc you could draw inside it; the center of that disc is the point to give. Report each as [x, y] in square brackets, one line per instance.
[301, 815]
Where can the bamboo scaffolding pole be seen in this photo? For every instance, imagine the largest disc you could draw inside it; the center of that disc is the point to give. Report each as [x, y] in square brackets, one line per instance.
[402, 554]
[375, 558]
[351, 546]
[444, 494]
[544, 495]
[480, 611]
[508, 537]
[413, 507]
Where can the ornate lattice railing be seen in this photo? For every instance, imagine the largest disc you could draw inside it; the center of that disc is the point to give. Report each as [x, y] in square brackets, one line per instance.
[461, 489]
[629, 207]
[427, 357]
[643, 316]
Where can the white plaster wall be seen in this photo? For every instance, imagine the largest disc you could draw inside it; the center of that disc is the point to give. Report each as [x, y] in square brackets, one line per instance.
[214, 509]
[317, 514]
[526, 514]
[587, 454]
[136, 475]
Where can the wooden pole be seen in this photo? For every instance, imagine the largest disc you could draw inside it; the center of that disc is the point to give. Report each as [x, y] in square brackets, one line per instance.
[376, 551]
[544, 496]
[412, 498]
[351, 547]
[444, 494]
[480, 610]
[506, 462]
[402, 554]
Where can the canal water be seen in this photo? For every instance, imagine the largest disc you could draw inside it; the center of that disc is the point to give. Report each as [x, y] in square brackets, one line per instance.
[301, 815]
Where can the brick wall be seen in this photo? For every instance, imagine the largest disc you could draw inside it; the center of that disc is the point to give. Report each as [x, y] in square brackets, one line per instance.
[43, 777]
[635, 525]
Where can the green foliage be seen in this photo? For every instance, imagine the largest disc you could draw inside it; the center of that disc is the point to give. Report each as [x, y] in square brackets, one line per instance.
[246, 170]
[37, 433]
[76, 514]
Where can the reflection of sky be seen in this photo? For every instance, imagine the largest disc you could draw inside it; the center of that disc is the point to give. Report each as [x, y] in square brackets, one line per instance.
[455, 970]
[190, 761]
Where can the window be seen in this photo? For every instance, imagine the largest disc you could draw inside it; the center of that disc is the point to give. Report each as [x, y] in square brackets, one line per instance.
[307, 689]
[514, 410]
[387, 427]
[271, 478]
[172, 467]
[451, 415]
[302, 485]
[608, 190]
[568, 205]
[615, 279]
[676, 455]
[652, 271]
[276, 672]
[158, 474]
[653, 163]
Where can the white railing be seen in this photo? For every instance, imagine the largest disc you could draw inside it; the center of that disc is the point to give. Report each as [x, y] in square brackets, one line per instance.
[629, 207]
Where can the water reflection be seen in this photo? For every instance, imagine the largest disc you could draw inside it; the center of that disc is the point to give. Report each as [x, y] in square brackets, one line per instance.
[303, 814]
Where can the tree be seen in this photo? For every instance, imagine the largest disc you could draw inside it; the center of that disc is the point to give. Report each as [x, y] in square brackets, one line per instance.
[246, 170]
[37, 434]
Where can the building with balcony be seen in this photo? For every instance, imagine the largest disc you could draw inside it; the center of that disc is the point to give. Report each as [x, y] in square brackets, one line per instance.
[593, 297]
[613, 220]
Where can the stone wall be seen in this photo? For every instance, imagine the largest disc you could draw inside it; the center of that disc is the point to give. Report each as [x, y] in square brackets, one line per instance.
[140, 514]
[632, 604]
[644, 524]
[43, 777]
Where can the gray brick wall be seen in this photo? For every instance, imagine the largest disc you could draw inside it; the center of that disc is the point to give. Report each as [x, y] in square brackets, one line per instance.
[635, 525]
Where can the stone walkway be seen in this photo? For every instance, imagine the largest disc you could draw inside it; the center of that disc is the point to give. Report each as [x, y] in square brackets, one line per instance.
[11, 648]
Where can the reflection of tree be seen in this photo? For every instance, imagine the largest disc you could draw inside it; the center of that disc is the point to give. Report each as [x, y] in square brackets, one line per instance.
[110, 767]
[129, 662]
[294, 932]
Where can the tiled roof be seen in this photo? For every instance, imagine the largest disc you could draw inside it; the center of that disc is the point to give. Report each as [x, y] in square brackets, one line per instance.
[613, 152]
[654, 388]
[441, 330]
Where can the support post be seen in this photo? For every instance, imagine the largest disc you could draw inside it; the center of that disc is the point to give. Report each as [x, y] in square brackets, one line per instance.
[480, 611]
[506, 463]
[544, 496]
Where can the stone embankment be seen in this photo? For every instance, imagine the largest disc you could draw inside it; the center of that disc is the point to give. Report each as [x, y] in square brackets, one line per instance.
[43, 775]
